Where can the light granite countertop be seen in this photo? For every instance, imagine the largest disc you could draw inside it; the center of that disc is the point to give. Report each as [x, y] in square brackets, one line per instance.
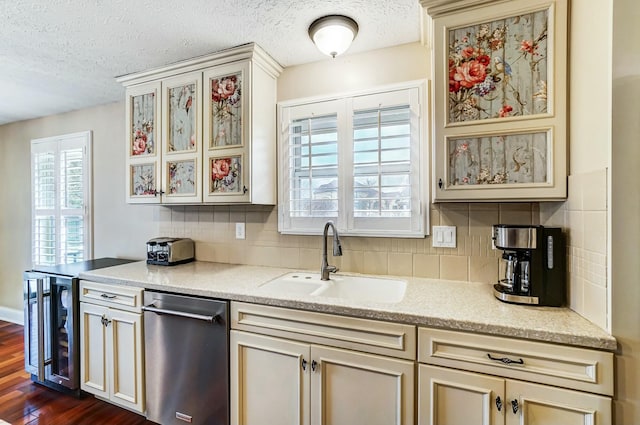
[444, 304]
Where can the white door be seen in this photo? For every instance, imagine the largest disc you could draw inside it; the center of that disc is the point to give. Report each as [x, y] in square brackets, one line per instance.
[125, 359]
[356, 388]
[453, 397]
[534, 404]
[269, 380]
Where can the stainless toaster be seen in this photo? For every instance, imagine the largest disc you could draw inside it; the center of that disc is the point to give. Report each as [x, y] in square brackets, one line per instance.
[170, 251]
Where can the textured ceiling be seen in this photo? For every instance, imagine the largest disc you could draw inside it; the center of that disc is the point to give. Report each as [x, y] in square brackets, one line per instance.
[61, 55]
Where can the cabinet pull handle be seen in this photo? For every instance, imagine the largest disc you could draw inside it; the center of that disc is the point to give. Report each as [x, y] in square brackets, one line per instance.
[499, 403]
[108, 296]
[153, 309]
[514, 405]
[105, 321]
[304, 364]
[314, 365]
[505, 360]
[244, 189]
[440, 184]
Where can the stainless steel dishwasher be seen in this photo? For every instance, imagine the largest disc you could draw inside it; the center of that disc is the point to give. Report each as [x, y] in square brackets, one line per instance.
[187, 359]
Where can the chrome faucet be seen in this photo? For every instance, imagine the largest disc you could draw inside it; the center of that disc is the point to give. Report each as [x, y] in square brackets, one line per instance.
[325, 268]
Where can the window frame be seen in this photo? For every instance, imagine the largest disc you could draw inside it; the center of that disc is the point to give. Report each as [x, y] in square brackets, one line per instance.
[345, 105]
[56, 145]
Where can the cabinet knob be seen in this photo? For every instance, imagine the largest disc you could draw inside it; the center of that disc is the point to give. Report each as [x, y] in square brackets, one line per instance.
[314, 365]
[514, 405]
[499, 403]
[304, 364]
[244, 189]
[440, 184]
[105, 321]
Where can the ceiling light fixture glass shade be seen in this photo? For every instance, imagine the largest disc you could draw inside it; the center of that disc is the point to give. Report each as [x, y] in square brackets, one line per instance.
[333, 34]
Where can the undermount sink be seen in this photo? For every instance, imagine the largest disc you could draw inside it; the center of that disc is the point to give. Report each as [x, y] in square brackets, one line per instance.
[361, 288]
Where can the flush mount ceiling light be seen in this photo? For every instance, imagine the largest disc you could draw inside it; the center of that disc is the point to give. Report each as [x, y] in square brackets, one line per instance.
[333, 34]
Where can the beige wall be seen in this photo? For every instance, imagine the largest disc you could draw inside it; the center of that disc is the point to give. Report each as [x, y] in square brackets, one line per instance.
[355, 72]
[625, 208]
[585, 212]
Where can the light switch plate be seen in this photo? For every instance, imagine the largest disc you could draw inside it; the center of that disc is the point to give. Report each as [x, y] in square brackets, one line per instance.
[443, 236]
[240, 231]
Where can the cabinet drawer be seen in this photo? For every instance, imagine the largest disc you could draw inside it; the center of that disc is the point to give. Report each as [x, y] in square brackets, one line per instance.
[390, 339]
[121, 297]
[570, 367]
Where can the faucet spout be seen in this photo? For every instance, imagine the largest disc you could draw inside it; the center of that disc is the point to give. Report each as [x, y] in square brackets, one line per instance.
[325, 268]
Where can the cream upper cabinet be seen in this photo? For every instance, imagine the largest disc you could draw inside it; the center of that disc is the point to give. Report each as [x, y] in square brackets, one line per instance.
[499, 99]
[203, 130]
[296, 367]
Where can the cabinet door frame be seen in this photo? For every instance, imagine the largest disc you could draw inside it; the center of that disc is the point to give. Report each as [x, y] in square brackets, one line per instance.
[152, 159]
[595, 409]
[238, 153]
[402, 370]
[170, 157]
[239, 341]
[91, 344]
[134, 349]
[489, 387]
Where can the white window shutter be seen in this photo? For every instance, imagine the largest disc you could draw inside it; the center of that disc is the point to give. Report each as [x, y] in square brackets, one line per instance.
[357, 160]
[61, 195]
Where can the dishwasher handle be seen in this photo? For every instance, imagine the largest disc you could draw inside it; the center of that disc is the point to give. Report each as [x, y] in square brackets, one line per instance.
[153, 309]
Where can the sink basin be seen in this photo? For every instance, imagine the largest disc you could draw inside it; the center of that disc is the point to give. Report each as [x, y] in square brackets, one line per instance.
[361, 288]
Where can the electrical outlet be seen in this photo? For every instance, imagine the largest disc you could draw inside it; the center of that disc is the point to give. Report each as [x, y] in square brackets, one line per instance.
[443, 236]
[240, 231]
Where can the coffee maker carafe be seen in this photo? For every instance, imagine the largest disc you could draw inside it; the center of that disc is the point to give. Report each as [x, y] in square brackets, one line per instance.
[532, 265]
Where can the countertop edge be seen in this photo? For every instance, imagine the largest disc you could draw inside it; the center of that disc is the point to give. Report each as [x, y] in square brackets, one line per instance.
[449, 323]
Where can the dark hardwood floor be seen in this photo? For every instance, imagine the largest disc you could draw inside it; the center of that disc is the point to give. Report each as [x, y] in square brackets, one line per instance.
[23, 402]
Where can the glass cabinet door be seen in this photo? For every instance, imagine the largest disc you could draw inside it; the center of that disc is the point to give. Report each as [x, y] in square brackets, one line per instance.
[182, 138]
[143, 143]
[226, 133]
[500, 112]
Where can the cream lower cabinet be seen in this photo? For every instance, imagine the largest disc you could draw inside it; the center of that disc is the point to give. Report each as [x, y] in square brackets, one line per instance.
[296, 380]
[478, 379]
[111, 354]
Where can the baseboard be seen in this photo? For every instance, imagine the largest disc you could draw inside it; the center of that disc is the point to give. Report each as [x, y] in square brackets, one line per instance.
[12, 315]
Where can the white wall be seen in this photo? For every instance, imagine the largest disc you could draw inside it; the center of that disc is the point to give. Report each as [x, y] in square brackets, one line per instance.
[119, 229]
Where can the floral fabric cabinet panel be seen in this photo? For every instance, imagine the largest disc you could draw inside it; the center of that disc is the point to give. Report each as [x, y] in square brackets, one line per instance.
[143, 139]
[228, 132]
[182, 141]
[500, 79]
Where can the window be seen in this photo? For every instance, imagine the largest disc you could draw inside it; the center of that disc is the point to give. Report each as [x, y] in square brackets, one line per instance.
[356, 160]
[60, 191]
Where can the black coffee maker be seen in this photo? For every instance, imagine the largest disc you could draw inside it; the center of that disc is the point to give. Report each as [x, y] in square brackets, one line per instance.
[532, 268]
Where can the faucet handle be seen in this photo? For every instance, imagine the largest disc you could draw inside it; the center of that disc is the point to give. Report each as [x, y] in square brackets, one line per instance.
[332, 269]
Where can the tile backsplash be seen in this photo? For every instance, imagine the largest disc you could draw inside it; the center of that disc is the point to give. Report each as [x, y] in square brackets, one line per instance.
[213, 229]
